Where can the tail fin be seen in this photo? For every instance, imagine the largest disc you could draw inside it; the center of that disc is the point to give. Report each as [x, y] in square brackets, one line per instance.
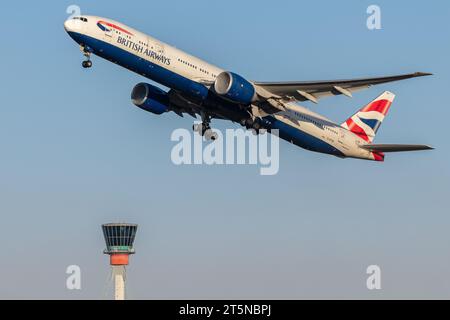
[366, 122]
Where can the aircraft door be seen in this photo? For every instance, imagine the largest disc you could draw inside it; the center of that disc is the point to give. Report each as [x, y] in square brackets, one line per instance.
[342, 136]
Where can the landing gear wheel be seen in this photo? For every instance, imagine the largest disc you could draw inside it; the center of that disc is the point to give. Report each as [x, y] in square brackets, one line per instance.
[197, 127]
[201, 128]
[256, 127]
[204, 128]
[248, 123]
[87, 64]
[210, 135]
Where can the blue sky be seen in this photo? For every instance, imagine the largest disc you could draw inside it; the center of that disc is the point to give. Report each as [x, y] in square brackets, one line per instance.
[75, 153]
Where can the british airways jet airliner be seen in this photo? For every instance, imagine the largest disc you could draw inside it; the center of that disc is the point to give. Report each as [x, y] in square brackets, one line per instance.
[199, 88]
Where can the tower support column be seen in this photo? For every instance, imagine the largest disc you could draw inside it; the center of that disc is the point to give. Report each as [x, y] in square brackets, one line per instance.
[118, 273]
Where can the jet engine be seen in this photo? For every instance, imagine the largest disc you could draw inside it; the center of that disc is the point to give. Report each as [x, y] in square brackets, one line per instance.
[234, 88]
[150, 98]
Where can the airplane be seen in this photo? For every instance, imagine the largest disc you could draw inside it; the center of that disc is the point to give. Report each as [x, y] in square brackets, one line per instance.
[199, 88]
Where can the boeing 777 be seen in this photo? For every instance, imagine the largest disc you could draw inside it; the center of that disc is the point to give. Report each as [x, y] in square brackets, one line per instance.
[199, 88]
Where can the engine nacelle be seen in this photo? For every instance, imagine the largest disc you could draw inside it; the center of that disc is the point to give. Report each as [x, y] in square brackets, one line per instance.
[150, 98]
[234, 88]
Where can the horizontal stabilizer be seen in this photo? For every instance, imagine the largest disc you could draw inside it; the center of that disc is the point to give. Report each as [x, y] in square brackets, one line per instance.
[395, 147]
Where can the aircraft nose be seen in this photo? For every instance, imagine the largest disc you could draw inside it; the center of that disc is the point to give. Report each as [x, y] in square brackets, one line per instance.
[67, 25]
[70, 25]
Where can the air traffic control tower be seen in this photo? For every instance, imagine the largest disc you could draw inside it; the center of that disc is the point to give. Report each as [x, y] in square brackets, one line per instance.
[119, 239]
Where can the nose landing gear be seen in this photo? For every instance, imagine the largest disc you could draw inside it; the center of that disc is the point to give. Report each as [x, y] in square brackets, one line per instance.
[87, 53]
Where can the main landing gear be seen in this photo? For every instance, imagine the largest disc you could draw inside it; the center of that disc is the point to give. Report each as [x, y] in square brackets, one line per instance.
[87, 63]
[204, 128]
[255, 125]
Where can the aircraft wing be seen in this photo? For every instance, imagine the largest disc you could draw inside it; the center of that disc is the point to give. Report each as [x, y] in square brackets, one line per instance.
[395, 147]
[314, 90]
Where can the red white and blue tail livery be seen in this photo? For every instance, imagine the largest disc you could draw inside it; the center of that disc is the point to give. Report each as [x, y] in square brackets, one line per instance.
[366, 122]
[199, 88]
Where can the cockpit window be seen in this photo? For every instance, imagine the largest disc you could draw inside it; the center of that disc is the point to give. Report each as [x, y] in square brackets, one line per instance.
[80, 18]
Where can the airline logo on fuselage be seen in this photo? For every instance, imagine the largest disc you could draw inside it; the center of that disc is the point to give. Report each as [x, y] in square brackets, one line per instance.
[105, 26]
[142, 50]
